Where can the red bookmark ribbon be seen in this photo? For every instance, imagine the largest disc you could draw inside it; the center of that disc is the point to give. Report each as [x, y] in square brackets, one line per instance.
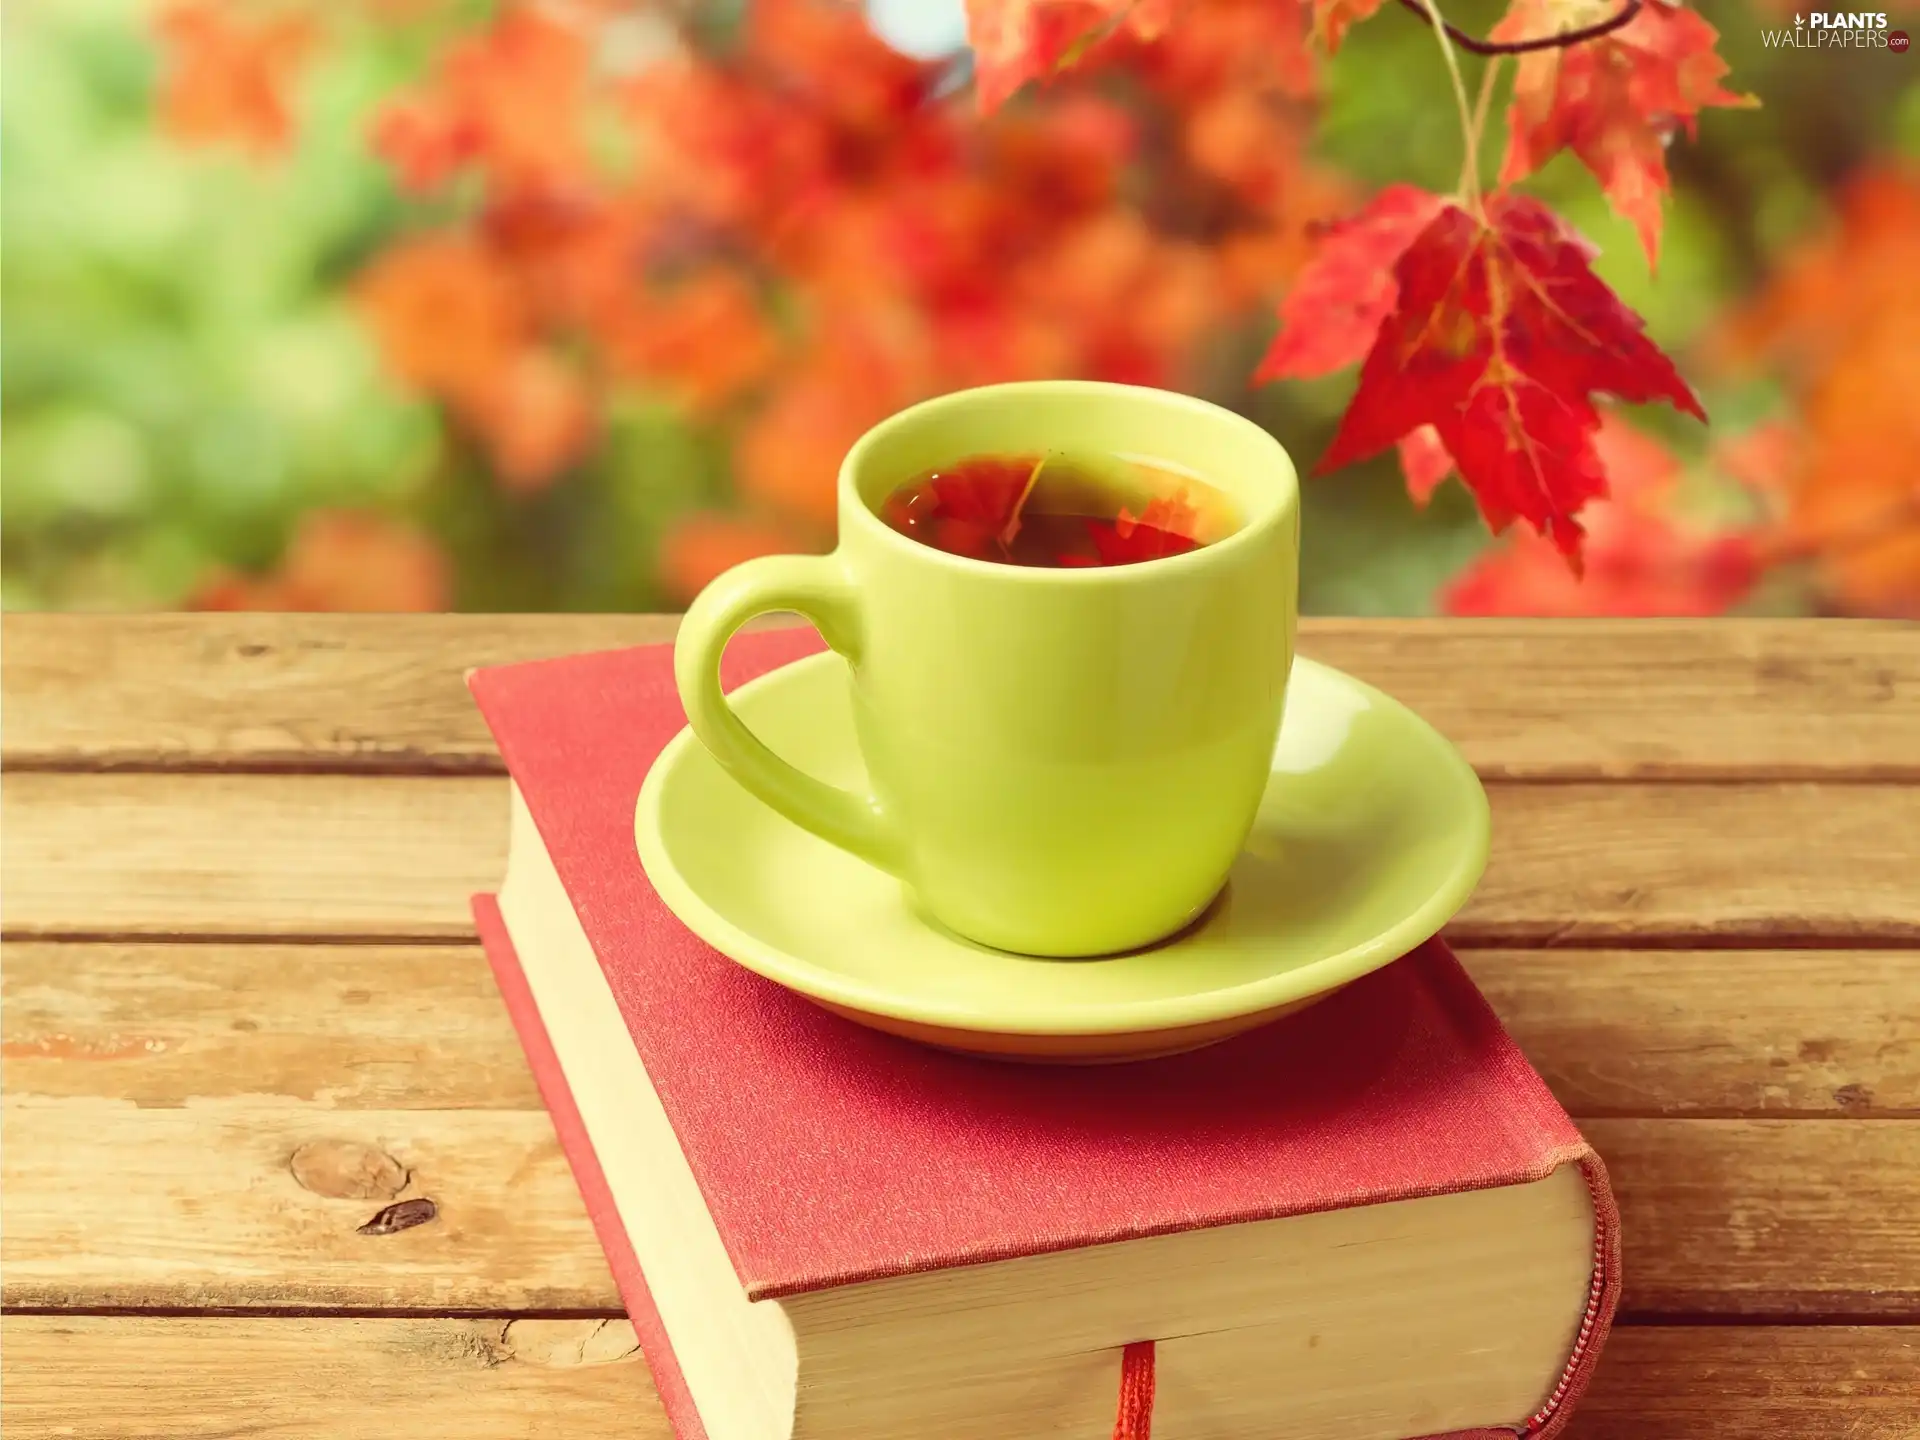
[1134, 1421]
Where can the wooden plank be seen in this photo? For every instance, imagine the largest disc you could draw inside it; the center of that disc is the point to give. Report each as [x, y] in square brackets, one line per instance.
[365, 856]
[1634, 1033]
[366, 1027]
[285, 855]
[192, 1379]
[442, 1379]
[1754, 1383]
[1785, 864]
[1714, 1033]
[363, 692]
[1767, 1217]
[107, 1205]
[1524, 699]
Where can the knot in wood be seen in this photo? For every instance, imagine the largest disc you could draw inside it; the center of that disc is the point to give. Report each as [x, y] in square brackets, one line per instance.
[347, 1170]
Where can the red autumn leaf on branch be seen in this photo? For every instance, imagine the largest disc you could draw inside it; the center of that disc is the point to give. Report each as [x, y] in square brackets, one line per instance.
[1330, 317]
[1015, 41]
[1500, 336]
[1615, 100]
[1333, 311]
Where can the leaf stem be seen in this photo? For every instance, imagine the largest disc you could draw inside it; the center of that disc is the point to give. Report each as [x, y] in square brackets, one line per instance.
[1482, 106]
[1470, 168]
[1473, 45]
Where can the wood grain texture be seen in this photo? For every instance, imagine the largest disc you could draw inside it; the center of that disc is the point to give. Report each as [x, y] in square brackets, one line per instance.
[80, 1378]
[292, 855]
[366, 1027]
[84, 1378]
[317, 856]
[359, 692]
[105, 1204]
[1523, 699]
[1767, 1217]
[1714, 1033]
[109, 1205]
[398, 857]
[156, 1094]
[1793, 864]
[1634, 1033]
[1754, 1383]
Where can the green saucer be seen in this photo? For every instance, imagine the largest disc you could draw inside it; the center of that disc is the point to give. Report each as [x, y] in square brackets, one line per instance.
[1372, 834]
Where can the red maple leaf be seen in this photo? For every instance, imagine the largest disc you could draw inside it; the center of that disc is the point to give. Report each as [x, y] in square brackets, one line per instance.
[1614, 101]
[1015, 41]
[1500, 336]
[1333, 311]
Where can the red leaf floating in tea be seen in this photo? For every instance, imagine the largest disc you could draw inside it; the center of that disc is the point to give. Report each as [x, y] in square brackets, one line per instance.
[975, 508]
[1164, 528]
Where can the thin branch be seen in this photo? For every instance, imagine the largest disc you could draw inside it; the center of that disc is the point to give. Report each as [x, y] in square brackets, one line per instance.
[1473, 45]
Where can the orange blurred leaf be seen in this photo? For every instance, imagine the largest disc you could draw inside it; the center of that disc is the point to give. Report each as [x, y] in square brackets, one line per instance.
[698, 548]
[342, 560]
[455, 320]
[1839, 318]
[1015, 41]
[1333, 18]
[228, 73]
[507, 98]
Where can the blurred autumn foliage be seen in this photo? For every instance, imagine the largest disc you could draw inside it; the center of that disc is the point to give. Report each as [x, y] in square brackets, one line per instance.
[410, 304]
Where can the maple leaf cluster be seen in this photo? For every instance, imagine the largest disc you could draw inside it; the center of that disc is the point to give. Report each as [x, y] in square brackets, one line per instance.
[1483, 336]
[789, 230]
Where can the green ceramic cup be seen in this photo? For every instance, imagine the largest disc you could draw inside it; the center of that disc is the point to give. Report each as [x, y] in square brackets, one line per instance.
[1063, 762]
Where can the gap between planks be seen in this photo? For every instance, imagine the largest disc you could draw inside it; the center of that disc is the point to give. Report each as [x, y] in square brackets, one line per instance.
[1623, 1320]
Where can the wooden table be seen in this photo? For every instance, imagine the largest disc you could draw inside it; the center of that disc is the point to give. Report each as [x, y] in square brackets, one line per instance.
[238, 852]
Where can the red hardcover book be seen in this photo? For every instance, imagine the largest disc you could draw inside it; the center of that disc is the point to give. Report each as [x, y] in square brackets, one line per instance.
[1370, 1221]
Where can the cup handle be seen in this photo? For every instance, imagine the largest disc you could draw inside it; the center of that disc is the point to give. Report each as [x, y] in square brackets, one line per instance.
[819, 589]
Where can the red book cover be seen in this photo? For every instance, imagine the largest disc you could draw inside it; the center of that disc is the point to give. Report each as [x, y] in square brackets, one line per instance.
[828, 1153]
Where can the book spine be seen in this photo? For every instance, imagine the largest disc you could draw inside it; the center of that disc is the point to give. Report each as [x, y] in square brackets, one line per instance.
[668, 1382]
[1603, 1297]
